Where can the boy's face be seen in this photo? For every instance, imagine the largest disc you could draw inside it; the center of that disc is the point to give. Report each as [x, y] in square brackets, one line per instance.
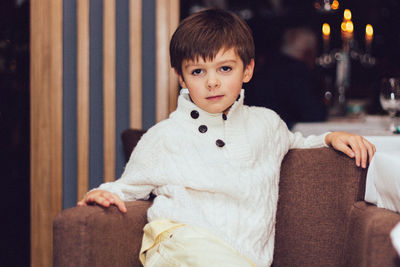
[215, 85]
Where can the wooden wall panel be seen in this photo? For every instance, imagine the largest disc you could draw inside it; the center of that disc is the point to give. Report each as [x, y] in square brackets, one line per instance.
[83, 97]
[135, 48]
[47, 93]
[46, 126]
[109, 89]
[173, 79]
[162, 65]
[167, 18]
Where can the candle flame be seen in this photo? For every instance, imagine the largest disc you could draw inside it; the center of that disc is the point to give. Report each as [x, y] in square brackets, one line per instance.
[347, 14]
[326, 29]
[343, 26]
[335, 5]
[369, 31]
[349, 26]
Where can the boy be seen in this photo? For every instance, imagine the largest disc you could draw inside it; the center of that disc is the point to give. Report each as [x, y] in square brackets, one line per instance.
[214, 164]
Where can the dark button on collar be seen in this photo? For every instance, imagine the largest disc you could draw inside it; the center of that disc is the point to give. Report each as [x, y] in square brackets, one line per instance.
[203, 128]
[194, 114]
[220, 143]
[224, 117]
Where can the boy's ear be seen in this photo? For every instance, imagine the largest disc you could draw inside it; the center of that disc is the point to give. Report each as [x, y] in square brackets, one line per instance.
[181, 80]
[248, 71]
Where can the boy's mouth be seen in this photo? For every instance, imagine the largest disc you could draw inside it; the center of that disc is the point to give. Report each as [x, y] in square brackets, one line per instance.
[215, 97]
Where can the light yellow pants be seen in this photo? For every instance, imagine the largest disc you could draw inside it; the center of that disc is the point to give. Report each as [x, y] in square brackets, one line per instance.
[168, 244]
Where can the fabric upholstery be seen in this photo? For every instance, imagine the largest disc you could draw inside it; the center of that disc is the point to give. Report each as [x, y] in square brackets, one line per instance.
[321, 220]
[367, 242]
[96, 236]
[317, 190]
[130, 138]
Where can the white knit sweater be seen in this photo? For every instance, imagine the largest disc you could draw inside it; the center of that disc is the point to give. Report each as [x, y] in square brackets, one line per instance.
[230, 190]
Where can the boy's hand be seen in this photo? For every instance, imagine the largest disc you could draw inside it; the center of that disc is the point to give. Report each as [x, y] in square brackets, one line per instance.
[103, 198]
[353, 146]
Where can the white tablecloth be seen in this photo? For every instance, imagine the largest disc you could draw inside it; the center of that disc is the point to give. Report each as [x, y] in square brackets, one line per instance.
[383, 180]
[365, 126]
[383, 177]
[395, 237]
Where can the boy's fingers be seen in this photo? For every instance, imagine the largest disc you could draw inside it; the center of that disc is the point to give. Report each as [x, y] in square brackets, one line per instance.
[363, 154]
[360, 151]
[81, 203]
[356, 147]
[371, 149]
[109, 197]
[90, 198]
[345, 149]
[367, 151]
[358, 160]
[115, 200]
[120, 204]
[102, 201]
[364, 157]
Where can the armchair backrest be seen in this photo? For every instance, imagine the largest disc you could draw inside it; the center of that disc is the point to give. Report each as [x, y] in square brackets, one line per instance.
[315, 199]
[317, 190]
[130, 138]
[320, 219]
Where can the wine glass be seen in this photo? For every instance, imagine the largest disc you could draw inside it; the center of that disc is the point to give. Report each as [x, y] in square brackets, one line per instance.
[390, 99]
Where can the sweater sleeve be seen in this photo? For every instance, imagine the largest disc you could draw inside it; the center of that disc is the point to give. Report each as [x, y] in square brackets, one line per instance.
[297, 140]
[141, 173]
[277, 136]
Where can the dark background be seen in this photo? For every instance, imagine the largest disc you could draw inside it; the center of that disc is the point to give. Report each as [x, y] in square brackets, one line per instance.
[266, 20]
[14, 133]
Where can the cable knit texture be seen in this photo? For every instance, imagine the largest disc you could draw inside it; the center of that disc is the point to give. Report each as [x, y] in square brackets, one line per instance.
[229, 190]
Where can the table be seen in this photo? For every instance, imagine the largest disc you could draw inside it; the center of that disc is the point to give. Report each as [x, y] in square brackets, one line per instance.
[383, 180]
[374, 128]
[383, 177]
[364, 125]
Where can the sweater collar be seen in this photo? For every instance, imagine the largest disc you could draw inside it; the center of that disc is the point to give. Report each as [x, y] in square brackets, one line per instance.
[191, 111]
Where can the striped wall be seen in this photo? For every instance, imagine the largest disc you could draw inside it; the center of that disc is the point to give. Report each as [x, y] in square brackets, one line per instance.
[110, 83]
[98, 68]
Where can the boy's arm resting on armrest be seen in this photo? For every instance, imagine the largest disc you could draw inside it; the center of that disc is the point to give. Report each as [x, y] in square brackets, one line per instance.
[103, 198]
[89, 234]
[354, 146]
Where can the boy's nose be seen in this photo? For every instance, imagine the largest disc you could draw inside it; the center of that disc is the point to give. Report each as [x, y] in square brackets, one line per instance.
[213, 83]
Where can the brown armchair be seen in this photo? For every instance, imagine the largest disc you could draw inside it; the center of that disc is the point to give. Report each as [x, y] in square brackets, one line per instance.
[322, 219]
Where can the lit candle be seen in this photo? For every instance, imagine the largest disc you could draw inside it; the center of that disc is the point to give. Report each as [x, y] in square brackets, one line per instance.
[343, 26]
[347, 27]
[347, 14]
[335, 5]
[369, 35]
[326, 33]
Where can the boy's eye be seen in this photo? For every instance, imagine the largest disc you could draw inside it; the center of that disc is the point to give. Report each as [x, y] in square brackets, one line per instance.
[226, 68]
[197, 72]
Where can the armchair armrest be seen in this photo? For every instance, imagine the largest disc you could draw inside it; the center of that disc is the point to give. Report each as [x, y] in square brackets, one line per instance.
[97, 236]
[368, 241]
[316, 192]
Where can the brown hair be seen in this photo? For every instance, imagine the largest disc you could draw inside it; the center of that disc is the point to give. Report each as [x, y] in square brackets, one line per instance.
[205, 33]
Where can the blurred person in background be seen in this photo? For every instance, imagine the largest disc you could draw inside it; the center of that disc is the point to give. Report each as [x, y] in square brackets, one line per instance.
[286, 83]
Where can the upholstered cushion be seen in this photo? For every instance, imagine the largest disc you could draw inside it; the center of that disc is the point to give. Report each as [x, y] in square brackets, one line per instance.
[316, 192]
[96, 236]
[368, 242]
[130, 138]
